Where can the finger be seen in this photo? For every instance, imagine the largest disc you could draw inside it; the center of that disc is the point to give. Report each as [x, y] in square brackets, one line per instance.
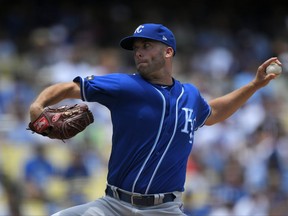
[267, 63]
[271, 76]
[278, 62]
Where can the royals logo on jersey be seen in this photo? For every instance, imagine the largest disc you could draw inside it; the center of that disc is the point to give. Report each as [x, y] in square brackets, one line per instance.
[189, 123]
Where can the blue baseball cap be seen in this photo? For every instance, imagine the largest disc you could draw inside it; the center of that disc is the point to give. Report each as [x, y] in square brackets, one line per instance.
[151, 31]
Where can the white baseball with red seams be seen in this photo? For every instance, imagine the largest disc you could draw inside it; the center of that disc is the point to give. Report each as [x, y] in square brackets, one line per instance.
[274, 68]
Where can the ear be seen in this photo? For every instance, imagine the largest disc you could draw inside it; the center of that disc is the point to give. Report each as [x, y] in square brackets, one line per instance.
[169, 52]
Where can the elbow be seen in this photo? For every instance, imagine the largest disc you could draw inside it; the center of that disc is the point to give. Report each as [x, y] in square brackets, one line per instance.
[209, 122]
[213, 118]
[72, 90]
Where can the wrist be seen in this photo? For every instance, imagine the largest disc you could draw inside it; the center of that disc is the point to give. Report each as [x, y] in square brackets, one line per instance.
[254, 85]
[35, 110]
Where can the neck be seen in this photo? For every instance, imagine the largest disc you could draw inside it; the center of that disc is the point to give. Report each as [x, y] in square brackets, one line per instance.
[159, 77]
[167, 80]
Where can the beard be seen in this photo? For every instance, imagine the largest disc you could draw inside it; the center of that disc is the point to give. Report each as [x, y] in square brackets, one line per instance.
[151, 66]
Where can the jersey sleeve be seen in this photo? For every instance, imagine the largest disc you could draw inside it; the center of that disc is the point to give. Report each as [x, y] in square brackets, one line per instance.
[101, 89]
[203, 111]
[201, 107]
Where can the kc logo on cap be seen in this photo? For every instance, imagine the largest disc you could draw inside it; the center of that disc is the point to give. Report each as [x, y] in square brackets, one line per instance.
[151, 31]
[139, 29]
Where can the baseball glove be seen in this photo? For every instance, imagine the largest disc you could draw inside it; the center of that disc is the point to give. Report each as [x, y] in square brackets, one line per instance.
[63, 122]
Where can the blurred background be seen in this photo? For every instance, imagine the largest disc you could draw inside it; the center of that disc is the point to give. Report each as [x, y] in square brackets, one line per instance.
[238, 167]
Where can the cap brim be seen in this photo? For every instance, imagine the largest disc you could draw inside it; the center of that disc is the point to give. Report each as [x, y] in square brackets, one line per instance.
[127, 42]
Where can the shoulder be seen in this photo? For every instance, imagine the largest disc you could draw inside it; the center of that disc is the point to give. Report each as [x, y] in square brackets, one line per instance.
[119, 76]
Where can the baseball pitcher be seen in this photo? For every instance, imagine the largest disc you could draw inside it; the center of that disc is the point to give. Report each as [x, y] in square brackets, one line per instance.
[154, 118]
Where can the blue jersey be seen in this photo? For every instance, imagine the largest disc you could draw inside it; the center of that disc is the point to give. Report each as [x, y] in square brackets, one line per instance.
[153, 129]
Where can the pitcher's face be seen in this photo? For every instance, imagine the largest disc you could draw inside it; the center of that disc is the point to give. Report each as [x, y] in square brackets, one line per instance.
[149, 56]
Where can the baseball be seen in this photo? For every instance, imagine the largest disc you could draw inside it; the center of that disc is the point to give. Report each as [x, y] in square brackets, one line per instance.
[274, 68]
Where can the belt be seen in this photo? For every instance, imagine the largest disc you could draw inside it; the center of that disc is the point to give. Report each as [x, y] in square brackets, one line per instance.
[139, 199]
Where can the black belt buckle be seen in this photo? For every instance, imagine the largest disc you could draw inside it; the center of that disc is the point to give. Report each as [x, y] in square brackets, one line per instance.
[136, 199]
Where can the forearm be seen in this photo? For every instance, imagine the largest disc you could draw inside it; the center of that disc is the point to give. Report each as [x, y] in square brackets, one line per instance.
[223, 107]
[56, 93]
[53, 95]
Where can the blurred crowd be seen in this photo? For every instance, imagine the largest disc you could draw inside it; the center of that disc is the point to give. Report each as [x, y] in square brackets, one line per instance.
[238, 167]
